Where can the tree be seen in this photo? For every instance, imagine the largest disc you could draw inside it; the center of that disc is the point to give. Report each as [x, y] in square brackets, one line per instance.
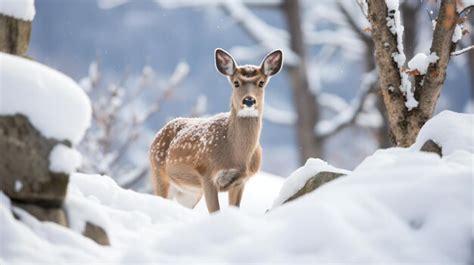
[409, 105]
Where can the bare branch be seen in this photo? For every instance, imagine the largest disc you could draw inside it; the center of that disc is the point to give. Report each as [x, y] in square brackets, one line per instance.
[459, 52]
[268, 36]
[466, 11]
[348, 116]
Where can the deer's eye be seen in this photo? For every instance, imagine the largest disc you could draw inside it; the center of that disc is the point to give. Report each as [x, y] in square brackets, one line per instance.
[261, 83]
[236, 83]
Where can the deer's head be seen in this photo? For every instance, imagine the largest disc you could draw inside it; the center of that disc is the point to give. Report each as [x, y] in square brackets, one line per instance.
[248, 81]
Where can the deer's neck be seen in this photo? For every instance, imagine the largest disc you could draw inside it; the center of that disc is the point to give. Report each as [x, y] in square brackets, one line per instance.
[243, 135]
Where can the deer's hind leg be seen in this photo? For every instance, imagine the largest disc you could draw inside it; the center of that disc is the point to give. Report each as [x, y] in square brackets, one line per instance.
[161, 182]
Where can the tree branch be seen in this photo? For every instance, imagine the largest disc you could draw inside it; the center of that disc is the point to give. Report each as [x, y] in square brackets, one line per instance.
[468, 48]
[347, 117]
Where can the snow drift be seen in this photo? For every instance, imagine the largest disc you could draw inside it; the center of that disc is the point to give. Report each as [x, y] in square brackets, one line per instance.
[398, 205]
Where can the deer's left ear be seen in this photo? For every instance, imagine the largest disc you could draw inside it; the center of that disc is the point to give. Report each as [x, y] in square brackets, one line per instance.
[272, 63]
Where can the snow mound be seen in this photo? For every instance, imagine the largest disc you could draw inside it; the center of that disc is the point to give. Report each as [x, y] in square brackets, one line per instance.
[52, 101]
[397, 206]
[298, 179]
[21, 9]
[63, 159]
[450, 130]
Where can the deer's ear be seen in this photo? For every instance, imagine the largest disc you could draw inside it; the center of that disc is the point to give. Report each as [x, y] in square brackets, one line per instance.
[272, 63]
[225, 64]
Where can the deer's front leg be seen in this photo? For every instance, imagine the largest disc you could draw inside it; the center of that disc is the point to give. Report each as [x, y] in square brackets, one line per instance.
[210, 194]
[235, 195]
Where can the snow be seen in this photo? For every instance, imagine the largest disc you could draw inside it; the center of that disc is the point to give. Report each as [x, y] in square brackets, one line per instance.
[20, 9]
[452, 131]
[18, 185]
[407, 90]
[52, 101]
[298, 178]
[63, 159]
[395, 25]
[398, 206]
[457, 35]
[247, 112]
[421, 62]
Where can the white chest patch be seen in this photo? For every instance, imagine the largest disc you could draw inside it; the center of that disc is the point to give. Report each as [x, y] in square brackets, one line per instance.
[247, 112]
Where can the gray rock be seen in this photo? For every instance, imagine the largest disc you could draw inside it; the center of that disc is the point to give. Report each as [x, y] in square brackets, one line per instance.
[96, 233]
[50, 214]
[24, 164]
[314, 182]
[431, 146]
[14, 35]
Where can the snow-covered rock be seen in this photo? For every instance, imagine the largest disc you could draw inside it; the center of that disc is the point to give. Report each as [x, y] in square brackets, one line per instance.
[52, 101]
[450, 130]
[298, 178]
[20, 9]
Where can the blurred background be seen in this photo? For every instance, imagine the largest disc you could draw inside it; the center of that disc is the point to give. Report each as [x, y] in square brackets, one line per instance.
[144, 62]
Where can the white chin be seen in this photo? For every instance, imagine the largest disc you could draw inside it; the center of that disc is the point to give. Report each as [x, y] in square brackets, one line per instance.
[248, 112]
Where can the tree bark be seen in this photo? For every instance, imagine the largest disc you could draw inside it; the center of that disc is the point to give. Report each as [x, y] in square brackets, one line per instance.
[14, 35]
[405, 124]
[304, 100]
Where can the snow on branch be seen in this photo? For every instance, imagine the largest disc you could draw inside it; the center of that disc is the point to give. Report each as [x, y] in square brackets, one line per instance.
[348, 116]
[459, 52]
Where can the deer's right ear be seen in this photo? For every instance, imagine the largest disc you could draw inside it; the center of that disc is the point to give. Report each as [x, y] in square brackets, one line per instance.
[225, 64]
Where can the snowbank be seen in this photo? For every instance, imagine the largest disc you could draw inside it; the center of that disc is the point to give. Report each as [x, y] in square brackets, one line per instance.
[397, 206]
[21, 9]
[53, 102]
[450, 130]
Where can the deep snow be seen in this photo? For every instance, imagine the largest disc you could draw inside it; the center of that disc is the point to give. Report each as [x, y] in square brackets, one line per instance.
[398, 205]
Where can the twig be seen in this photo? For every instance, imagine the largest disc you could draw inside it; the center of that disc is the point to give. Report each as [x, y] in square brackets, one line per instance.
[459, 52]
[349, 116]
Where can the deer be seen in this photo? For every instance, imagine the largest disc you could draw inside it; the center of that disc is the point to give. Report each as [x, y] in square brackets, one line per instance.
[192, 157]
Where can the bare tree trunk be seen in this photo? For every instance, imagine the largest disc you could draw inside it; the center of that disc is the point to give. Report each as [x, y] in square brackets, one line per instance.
[14, 35]
[405, 124]
[304, 100]
[471, 60]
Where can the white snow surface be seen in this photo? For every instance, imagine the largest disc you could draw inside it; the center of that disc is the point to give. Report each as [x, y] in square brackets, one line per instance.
[398, 206]
[298, 178]
[63, 159]
[52, 101]
[450, 130]
[421, 62]
[20, 9]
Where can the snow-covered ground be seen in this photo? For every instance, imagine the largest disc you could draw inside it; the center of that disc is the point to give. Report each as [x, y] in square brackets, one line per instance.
[398, 206]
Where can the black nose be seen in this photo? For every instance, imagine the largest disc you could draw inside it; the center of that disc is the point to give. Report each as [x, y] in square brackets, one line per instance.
[249, 101]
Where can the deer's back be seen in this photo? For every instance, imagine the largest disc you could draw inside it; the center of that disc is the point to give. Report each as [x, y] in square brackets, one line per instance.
[190, 141]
